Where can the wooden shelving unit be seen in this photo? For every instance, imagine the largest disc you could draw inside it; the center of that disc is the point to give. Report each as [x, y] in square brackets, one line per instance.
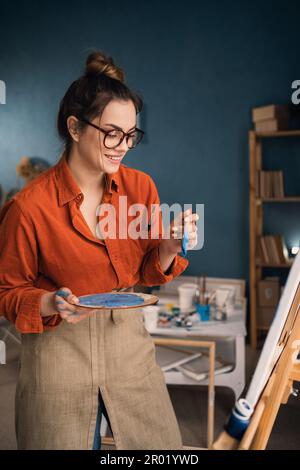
[278, 199]
[256, 220]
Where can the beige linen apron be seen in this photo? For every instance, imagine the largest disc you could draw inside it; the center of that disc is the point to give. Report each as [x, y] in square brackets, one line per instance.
[61, 372]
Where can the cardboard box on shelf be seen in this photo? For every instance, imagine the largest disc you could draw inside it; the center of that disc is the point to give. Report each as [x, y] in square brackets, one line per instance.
[272, 125]
[268, 292]
[272, 111]
[265, 316]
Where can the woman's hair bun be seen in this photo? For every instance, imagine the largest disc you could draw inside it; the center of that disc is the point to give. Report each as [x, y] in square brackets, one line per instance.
[99, 63]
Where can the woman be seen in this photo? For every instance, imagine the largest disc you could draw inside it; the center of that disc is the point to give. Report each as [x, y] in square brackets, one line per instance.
[77, 363]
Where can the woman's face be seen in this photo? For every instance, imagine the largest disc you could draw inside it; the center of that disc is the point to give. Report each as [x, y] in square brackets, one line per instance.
[90, 141]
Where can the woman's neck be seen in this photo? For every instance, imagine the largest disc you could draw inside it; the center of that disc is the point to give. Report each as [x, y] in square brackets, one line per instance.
[87, 178]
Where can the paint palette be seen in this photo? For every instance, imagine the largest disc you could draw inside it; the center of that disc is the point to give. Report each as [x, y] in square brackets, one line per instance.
[116, 300]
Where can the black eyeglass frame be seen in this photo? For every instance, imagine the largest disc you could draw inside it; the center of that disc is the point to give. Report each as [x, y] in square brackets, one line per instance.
[125, 134]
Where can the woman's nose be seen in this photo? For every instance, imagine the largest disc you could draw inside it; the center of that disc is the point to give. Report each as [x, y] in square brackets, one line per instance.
[123, 147]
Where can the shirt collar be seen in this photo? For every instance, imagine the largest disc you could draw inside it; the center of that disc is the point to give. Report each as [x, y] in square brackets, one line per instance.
[67, 187]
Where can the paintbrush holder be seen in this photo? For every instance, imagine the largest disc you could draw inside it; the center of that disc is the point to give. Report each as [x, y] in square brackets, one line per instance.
[203, 311]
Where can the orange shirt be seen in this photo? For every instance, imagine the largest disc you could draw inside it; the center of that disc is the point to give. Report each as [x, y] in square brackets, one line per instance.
[45, 244]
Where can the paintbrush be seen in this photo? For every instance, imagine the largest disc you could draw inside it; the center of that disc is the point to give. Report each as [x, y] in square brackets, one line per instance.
[203, 289]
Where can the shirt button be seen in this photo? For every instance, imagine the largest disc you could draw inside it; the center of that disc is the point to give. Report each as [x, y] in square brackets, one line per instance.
[79, 198]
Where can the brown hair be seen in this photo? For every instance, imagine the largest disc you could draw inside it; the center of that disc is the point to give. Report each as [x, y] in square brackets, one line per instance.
[87, 96]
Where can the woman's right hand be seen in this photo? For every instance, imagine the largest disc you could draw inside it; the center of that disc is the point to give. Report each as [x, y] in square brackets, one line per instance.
[65, 304]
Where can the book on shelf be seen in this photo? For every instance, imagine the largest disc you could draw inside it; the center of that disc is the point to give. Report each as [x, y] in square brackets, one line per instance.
[262, 254]
[169, 358]
[272, 111]
[271, 249]
[269, 184]
[190, 363]
[266, 184]
[198, 369]
[220, 369]
[273, 254]
[278, 184]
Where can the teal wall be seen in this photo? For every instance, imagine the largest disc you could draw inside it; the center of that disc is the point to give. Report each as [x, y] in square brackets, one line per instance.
[200, 67]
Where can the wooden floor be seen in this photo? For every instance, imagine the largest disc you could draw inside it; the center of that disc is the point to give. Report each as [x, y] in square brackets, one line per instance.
[189, 405]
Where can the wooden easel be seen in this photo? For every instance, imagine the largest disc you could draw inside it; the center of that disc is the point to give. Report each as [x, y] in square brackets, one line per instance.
[277, 390]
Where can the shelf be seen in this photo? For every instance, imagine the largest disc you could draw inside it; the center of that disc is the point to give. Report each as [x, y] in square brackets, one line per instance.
[266, 265]
[257, 207]
[287, 133]
[278, 199]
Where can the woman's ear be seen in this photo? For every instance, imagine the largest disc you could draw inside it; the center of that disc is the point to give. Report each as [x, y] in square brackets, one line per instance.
[72, 124]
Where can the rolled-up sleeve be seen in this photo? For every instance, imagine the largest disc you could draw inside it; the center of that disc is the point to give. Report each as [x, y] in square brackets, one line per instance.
[151, 273]
[19, 298]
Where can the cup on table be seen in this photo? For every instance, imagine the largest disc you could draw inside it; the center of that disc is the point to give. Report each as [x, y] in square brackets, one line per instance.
[222, 295]
[150, 314]
[203, 311]
[231, 298]
[187, 294]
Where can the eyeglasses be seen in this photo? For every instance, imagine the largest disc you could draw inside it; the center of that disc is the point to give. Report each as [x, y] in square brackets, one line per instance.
[114, 137]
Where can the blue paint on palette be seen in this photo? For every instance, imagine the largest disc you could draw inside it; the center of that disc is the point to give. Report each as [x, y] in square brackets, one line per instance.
[111, 300]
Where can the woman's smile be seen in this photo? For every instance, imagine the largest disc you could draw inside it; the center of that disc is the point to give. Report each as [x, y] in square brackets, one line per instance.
[114, 159]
